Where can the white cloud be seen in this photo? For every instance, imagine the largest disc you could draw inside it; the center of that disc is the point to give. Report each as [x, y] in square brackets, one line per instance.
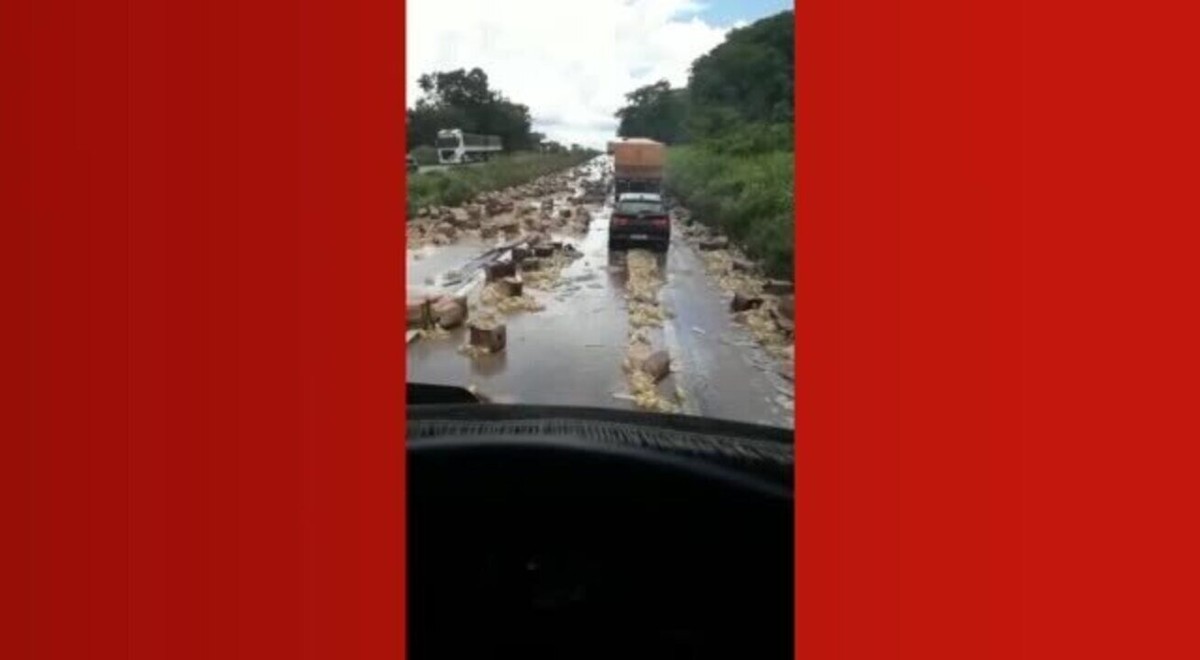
[570, 61]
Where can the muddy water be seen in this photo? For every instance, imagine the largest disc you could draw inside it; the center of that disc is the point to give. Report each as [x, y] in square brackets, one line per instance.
[721, 369]
[566, 354]
[428, 265]
[570, 353]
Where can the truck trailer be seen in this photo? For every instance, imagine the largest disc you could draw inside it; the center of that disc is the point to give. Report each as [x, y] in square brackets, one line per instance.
[454, 146]
[637, 165]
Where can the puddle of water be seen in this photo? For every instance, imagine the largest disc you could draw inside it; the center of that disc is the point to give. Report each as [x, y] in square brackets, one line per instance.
[435, 261]
[723, 379]
[567, 354]
[570, 353]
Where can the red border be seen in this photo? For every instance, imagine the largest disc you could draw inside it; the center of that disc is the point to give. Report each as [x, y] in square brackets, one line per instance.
[204, 270]
[909, 238]
[996, 282]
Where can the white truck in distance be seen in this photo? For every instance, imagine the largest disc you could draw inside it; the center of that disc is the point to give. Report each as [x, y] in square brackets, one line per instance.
[455, 147]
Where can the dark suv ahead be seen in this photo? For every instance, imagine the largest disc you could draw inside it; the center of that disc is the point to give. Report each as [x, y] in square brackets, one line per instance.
[639, 218]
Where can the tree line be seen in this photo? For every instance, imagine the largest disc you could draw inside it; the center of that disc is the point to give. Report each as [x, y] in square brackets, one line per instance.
[464, 99]
[730, 130]
[738, 96]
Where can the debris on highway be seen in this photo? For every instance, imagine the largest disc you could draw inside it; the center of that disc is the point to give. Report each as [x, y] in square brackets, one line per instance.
[532, 208]
[766, 330]
[427, 310]
[532, 217]
[693, 331]
[508, 296]
[646, 394]
[755, 300]
[657, 366]
[499, 270]
[449, 312]
[642, 287]
[778, 287]
[743, 302]
[787, 306]
[543, 272]
[419, 314]
[509, 287]
[765, 307]
[719, 264]
[485, 337]
[643, 364]
[743, 265]
[784, 322]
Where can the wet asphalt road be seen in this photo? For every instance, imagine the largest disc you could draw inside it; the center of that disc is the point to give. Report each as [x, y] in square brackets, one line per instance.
[570, 353]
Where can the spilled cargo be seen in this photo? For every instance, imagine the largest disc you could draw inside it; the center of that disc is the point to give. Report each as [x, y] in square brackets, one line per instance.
[638, 165]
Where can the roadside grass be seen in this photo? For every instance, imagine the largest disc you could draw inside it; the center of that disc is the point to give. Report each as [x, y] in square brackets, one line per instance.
[424, 155]
[748, 197]
[462, 183]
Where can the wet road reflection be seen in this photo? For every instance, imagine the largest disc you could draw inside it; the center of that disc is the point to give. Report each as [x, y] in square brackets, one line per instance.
[570, 353]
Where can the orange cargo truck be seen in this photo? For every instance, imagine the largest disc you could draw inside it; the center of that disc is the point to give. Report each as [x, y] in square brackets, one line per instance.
[637, 165]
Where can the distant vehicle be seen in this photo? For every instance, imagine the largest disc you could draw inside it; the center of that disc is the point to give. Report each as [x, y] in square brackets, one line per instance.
[639, 218]
[640, 196]
[637, 165]
[455, 147]
[412, 164]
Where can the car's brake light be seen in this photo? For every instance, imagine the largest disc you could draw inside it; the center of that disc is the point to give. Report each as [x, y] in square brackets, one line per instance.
[659, 222]
[619, 220]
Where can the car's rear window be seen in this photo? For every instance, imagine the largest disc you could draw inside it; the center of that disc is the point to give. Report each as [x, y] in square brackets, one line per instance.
[640, 207]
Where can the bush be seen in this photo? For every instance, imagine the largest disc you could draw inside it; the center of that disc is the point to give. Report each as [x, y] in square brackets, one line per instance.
[750, 139]
[424, 155]
[748, 197]
[459, 184]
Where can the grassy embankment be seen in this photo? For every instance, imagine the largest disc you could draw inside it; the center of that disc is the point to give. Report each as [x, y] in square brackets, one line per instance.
[747, 196]
[462, 183]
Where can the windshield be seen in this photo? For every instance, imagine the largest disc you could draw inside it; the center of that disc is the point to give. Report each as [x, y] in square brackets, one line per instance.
[530, 282]
[640, 208]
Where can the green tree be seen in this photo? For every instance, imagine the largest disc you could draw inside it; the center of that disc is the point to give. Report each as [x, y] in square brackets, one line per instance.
[738, 99]
[747, 78]
[464, 99]
[654, 111]
[460, 88]
[737, 174]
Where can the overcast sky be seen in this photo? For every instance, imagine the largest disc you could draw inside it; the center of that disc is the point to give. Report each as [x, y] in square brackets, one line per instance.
[571, 61]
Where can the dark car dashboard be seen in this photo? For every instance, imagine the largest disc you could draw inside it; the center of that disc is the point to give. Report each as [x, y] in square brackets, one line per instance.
[541, 532]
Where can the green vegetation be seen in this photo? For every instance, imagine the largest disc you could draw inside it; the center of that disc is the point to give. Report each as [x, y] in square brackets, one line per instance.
[462, 183]
[655, 111]
[424, 155]
[746, 79]
[462, 99]
[749, 196]
[730, 133]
